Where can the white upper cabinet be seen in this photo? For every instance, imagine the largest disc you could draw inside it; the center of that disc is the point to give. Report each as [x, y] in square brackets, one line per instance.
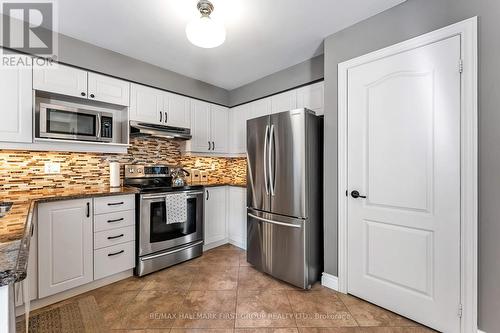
[146, 104]
[16, 105]
[107, 89]
[238, 117]
[177, 110]
[260, 108]
[60, 79]
[284, 102]
[312, 97]
[200, 127]
[219, 129]
[209, 128]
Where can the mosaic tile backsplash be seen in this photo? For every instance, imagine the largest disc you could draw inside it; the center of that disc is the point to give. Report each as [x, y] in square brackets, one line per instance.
[22, 171]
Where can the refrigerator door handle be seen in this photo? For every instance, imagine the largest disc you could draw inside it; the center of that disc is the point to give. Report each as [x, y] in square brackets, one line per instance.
[266, 180]
[273, 222]
[272, 175]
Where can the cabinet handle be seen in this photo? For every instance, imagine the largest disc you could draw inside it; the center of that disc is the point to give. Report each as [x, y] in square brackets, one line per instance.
[161, 115]
[83, 94]
[208, 195]
[213, 145]
[115, 237]
[166, 117]
[88, 209]
[116, 253]
[209, 145]
[92, 95]
[117, 220]
[116, 203]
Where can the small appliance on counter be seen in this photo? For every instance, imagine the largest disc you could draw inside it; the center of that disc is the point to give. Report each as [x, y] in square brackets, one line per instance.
[163, 241]
[179, 177]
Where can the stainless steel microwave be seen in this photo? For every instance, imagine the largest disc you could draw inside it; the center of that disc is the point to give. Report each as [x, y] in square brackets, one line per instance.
[70, 123]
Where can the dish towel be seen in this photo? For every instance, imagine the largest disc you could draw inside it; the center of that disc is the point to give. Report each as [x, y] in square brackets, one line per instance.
[176, 206]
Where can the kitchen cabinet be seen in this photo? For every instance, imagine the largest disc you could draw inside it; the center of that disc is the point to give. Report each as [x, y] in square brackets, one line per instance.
[155, 106]
[60, 79]
[237, 216]
[178, 110]
[65, 245]
[215, 215]
[238, 117]
[209, 128]
[106, 89]
[146, 104]
[312, 97]
[114, 235]
[260, 108]
[16, 105]
[284, 102]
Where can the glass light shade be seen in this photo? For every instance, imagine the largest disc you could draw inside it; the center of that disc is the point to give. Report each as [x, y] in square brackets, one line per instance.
[205, 32]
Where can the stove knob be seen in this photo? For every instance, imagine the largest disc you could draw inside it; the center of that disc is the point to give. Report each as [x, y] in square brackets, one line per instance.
[131, 170]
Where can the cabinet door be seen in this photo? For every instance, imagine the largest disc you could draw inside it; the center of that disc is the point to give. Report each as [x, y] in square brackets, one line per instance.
[312, 97]
[16, 105]
[260, 108]
[284, 102]
[215, 214]
[219, 128]
[65, 252]
[238, 128]
[60, 79]
[31, 275]
[109, 90]
[146, 104]
[237, 216]
[200, 127]
[177, 110]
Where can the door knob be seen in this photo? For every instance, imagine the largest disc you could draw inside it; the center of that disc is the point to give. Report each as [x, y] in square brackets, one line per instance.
[355, 195]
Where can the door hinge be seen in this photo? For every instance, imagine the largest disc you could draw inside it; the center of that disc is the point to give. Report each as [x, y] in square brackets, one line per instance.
[461, 66]
[460, 310]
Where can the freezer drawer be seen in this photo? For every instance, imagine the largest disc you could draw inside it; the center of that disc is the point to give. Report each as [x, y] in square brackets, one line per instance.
[277, 246]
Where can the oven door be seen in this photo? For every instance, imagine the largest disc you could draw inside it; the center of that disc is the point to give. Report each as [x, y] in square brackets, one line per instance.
[156, 235]
[61, 122]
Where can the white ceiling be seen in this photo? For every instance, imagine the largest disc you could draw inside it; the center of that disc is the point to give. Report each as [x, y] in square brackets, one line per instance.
[263, 36]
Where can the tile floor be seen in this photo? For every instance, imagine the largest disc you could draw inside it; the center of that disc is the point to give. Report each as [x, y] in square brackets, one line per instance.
[220, 292]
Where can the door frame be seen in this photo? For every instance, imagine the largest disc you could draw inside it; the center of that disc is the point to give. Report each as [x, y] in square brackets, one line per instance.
[467, 30]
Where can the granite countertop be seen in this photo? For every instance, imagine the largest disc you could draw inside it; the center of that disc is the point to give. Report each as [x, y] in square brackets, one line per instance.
[16, 226]
[215, 184]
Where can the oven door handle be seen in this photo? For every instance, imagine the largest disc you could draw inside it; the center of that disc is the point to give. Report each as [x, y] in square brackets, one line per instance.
[170, 252]
[152, 197]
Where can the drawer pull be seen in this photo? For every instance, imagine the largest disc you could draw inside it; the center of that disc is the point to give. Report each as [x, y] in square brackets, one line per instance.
[117, 220]
[115, 237]
[115, 203]
[116, 253]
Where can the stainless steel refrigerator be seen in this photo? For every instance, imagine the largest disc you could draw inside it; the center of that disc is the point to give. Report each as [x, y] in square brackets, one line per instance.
[284, 196]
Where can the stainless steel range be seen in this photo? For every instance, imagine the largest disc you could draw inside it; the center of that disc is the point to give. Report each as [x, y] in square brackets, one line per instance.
[161, 243]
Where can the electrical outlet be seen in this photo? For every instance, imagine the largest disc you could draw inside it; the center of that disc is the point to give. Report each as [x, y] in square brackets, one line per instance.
[52, 168]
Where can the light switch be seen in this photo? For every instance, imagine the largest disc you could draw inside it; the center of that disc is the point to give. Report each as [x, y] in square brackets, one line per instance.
[52, 168]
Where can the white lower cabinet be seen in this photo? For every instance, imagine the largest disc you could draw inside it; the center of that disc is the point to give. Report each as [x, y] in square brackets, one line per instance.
[237, 216]
[114, 259]
[82, 240]
[215, 215]
[65, 250]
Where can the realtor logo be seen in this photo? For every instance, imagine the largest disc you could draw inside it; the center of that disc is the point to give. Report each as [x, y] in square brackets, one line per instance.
[28, 27]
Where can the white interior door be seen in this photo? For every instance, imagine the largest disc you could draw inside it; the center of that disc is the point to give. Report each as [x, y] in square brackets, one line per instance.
[404, 156]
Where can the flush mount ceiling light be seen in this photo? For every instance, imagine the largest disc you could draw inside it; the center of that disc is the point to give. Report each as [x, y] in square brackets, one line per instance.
[204, 31]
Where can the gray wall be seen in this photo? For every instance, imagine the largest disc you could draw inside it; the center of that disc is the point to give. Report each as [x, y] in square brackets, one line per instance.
[407, 20]
[85, 55]
[291, 77]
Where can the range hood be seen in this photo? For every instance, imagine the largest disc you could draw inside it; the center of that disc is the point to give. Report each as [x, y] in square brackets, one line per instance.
[162, 131]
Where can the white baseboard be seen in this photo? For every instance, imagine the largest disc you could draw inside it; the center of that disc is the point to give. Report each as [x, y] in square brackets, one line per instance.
[238, 243]
[479, 331]
[212, 245]
[330, 281]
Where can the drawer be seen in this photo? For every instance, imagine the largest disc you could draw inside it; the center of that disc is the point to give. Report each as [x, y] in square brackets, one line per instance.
[104, 205]
[114, 236]
[114, 220]
[114, 259]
